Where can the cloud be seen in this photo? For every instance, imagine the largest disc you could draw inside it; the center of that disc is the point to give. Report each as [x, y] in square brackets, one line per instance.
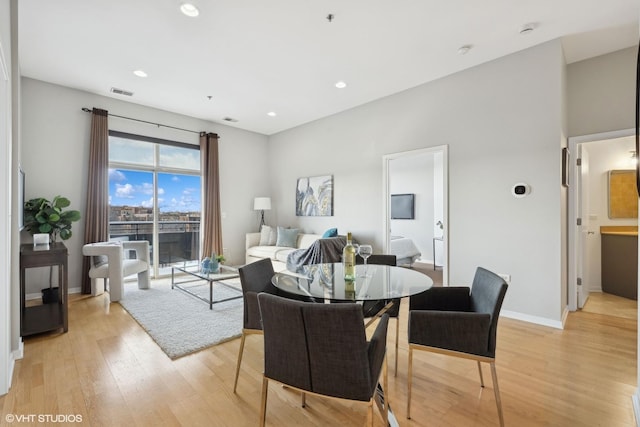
[125, 191]
[116, 175]
[146, 188]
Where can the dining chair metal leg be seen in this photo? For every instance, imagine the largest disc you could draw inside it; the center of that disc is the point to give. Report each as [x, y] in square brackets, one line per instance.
[304, 399]
[481, 378]
[385, 382]
[235, 382]
[496, 391]
[263, 406]
[397, 334]
[409, 378]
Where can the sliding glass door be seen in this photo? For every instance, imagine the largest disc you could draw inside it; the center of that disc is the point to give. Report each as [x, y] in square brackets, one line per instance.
[155, 195]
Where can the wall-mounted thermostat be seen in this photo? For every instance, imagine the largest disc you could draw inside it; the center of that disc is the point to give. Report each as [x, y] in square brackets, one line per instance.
[520, 190]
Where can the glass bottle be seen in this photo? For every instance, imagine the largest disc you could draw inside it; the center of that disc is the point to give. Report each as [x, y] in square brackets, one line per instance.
[349, 259]
[350, 289]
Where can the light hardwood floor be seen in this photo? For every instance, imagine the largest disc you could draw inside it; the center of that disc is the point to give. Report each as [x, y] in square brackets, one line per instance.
[108, 370]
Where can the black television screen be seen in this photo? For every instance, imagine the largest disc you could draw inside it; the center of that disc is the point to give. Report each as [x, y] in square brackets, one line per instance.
[402, 206]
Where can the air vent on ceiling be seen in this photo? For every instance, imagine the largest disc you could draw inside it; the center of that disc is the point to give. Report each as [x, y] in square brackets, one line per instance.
[121, 91]
[230, 119]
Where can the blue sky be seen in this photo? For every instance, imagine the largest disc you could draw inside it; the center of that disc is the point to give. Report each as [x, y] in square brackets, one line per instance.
[176, 192]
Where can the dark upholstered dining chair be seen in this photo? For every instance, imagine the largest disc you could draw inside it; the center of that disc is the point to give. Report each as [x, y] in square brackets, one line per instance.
[254, 278]
[322, 349]
[371, 308]
[460, 322]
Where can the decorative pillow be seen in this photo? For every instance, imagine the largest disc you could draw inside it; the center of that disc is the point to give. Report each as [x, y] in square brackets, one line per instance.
[267, 236]
[287, 237]
[332, 232]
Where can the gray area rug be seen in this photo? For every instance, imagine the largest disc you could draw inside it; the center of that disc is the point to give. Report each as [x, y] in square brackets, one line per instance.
[180, 323]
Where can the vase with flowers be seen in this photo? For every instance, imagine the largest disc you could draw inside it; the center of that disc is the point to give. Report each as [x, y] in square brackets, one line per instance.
[211, 264]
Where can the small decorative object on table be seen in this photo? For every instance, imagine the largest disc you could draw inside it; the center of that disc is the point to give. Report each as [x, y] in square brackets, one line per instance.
[211, 264]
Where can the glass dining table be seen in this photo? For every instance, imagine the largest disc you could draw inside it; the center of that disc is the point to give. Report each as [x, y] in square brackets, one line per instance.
[374, 282]
[325, 282]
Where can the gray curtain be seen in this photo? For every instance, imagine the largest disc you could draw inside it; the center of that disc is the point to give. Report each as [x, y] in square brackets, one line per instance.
[211, 222]
[96, 213]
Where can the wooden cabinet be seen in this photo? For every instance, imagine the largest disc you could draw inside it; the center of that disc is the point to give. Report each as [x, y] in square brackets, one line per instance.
[620, 261]
[35, 319]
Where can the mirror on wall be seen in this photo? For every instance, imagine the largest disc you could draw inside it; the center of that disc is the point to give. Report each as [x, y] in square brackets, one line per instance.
[623, 194]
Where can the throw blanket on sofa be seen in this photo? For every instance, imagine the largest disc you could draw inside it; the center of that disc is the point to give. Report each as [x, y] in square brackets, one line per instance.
[320, 251]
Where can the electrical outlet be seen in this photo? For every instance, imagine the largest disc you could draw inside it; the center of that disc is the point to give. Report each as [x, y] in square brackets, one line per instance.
[505, 277]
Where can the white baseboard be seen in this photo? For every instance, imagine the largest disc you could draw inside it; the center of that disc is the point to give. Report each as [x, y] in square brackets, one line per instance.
[18, 353]
[14, 356]
[636, 406]
[565, 314]
[558, 324]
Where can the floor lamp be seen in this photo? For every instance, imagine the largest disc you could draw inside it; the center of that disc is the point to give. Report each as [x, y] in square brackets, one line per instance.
[262, 204]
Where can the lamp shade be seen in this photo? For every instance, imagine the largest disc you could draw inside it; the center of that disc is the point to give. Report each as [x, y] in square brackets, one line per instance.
[262, 204]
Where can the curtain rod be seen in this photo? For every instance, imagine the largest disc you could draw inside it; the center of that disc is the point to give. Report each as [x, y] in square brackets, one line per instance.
[88, 110]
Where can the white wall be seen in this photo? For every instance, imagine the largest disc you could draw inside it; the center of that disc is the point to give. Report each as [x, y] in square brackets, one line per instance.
[503, 122]
[602, 93]
[55, 138]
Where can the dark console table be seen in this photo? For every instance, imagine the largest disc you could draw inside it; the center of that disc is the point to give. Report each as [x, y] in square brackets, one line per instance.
[44, 317]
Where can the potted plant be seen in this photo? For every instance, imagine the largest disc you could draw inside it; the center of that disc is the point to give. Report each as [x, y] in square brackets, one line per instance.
[49, 217]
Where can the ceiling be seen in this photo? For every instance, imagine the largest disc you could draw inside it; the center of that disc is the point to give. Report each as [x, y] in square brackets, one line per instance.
[241, 59]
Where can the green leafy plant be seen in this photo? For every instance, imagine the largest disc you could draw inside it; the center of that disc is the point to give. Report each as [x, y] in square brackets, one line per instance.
[49, 217]
[220, 258]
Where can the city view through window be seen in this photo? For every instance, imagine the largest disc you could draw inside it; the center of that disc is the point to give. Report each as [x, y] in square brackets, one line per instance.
[155, 195]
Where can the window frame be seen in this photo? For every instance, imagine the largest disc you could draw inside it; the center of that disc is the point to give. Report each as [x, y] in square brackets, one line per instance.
[156, 169]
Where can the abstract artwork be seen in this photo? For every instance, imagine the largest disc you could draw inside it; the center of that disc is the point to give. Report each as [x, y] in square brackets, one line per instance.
[314, 196]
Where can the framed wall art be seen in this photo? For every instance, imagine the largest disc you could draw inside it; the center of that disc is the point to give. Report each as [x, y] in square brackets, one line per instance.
[314, 196]
[565, 167]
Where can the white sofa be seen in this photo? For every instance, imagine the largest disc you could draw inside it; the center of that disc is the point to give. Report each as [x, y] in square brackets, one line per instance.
[277, 254]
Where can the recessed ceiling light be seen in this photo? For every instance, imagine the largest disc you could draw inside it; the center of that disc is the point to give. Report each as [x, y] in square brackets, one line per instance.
[140, 73]
[189, 9]
[271, 114]
[463, 50]
[341, 84]
[527, 28]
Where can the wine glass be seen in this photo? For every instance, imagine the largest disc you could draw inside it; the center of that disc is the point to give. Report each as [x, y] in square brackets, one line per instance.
[365, 252]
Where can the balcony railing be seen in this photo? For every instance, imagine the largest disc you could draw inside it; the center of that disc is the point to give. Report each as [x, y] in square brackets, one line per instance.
[178, 241]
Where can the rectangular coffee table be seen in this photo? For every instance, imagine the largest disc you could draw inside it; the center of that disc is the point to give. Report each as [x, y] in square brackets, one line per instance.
[225, 272]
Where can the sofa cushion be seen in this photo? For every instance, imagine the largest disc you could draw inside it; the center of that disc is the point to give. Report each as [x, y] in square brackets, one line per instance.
[282, 254]
[332, 232]
[267, 236]
[306, 240]
[287, 237]
[262, 251]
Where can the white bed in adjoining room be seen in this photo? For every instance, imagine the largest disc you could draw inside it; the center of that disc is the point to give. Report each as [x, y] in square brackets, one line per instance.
[405, 250]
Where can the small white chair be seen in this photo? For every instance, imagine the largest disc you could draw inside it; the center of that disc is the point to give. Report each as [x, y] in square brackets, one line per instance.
[108, 262]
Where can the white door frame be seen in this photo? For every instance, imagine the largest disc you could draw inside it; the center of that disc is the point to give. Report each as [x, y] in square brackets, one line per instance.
[386, 159]
[7, 226]
[573, 207]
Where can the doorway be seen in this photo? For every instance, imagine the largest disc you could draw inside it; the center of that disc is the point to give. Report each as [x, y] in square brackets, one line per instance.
[588, 206]
[422, 174]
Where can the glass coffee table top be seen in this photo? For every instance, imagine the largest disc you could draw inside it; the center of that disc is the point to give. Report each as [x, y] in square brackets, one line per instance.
[192, 275]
